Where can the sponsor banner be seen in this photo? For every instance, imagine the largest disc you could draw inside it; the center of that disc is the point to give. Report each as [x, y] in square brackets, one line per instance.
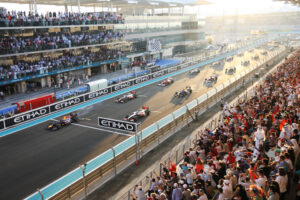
[159, 73]
[172, 69]
[117, 124]
[67, 103]
[26, 116]
[97, 94]
[1, 125]
[121, 86]
[141, 79]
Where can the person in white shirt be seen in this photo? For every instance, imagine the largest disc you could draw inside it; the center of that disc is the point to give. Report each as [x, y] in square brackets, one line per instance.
[287, 159]
[286, 132]
[282, 181]
[261, 180]
[202, 195]
[259, 136]
[189, 177]
[227, 189]
[139, 193]
[221, 194]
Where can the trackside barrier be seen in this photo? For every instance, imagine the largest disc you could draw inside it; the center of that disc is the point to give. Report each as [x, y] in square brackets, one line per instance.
[66, 106]
[106, 165]
[176, 154]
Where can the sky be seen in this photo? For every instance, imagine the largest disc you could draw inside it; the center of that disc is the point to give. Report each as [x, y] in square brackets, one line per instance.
[218, 8]
[239, 7]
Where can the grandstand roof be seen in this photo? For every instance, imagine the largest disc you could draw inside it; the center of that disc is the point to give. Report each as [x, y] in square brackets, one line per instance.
[116, 3]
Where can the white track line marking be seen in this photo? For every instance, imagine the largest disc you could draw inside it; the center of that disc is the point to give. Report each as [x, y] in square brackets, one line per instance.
[156, 111]
[99, 129]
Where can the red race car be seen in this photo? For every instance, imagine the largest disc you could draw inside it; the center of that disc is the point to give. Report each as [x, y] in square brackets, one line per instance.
[166, 82]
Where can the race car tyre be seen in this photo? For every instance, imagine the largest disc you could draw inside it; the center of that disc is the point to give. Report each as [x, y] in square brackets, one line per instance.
[148, 112]
[74, 120]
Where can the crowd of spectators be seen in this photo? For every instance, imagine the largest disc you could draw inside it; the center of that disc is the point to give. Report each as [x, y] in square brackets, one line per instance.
[19, 19]
[22, 68]
[13, 44]
[252, 154]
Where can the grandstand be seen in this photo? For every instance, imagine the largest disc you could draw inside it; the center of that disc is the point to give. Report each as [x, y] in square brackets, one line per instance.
[200, 132]
[251, 152]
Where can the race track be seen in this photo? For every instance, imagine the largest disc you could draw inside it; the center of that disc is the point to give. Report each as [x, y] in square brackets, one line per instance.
[37, 156]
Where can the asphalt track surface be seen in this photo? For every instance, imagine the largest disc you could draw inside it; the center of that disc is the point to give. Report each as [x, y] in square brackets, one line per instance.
[34, 157]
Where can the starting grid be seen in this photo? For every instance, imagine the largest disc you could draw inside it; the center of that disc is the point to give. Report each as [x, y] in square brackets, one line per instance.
[40, 115]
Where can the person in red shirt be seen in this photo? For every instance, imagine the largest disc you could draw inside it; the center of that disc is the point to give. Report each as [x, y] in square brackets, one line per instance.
[199, 166]
[252, 172]
[230, 159]
[172, 168]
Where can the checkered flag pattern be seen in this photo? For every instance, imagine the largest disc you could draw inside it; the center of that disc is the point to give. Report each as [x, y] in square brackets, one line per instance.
[154, 45]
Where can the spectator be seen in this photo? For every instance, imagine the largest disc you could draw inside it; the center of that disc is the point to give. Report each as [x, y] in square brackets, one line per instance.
[22, 68]
[139, 193]
[12, 44]
[237, 156]
[261, 180]
[177, 193]
[202, 195]
[273, 194]
[186, 194]
[282, 180]
[12, 18]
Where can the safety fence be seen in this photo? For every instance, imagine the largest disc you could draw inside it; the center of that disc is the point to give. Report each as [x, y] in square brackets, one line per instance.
[176, 154]
[110, 163]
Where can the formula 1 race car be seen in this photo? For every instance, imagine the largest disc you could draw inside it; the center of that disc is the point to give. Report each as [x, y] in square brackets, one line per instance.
[216, 64]
[135, 116]
[166, 82]
[64, 121]
[256, 57]
[229, 59]
[230, 70]
[186, 91]
[245, 63]
[127, 97]
[194, 71]
[264, 53]
[211, 80]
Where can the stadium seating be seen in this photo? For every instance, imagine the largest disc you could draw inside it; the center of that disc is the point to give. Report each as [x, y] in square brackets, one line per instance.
[251, 155]
[15, 44]
[23, 67]
[19, 19]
